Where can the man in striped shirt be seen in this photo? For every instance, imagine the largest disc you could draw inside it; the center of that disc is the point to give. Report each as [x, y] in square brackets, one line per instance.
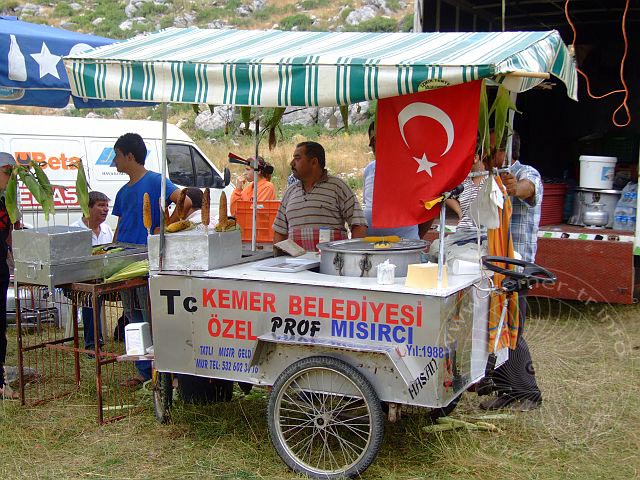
[316, 200]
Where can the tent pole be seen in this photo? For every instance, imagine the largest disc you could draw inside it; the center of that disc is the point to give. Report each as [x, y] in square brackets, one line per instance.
[254, 210]
[443, 215]
[163, 184]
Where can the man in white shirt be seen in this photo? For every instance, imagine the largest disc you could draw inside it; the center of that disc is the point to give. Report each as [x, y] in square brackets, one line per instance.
[98, 211]
[101, 234]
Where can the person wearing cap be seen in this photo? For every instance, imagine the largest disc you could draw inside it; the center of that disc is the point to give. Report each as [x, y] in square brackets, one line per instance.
[244, 187]
[101, 234]
[6, 164]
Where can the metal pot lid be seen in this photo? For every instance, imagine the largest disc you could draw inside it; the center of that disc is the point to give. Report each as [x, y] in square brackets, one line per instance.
[358, 245]
[596, 190]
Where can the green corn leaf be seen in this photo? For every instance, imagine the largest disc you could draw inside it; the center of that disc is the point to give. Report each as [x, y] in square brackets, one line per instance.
[42, 197]
[82, 189]
[11, 197]
[344, 112]
[274, 117]
[483, 119]
[245, 115]
[501, 107]
[49, 204]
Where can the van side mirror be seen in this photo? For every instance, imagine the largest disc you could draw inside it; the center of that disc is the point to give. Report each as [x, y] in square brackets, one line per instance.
[220, 182]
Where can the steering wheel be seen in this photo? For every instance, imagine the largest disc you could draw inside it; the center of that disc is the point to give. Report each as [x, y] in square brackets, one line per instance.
[532, 275]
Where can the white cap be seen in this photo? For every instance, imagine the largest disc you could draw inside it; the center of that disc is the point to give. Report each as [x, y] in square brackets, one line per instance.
[6, 159]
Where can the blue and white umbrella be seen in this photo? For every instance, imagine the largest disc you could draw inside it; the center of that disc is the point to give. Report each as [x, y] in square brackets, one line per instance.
[31, 68]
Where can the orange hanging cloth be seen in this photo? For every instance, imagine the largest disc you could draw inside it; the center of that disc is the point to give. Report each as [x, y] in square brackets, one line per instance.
[501, 245]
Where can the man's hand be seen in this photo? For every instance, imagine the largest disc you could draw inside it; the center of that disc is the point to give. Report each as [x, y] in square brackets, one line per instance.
[522, 189]
[510, 183]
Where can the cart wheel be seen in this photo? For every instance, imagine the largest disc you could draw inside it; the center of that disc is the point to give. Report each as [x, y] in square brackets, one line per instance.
[436, 413]
[162, 396]
[325, 418]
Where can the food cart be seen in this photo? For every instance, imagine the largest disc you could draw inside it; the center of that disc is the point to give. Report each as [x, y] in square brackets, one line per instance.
[337, 350]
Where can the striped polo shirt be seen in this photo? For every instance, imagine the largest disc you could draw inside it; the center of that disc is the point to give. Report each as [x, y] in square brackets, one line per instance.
[330, 203]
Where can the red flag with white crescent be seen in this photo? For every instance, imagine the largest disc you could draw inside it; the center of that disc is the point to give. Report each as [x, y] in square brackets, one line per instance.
[425, 144]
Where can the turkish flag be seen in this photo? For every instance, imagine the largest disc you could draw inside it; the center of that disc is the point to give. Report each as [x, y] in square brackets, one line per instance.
[425, 144]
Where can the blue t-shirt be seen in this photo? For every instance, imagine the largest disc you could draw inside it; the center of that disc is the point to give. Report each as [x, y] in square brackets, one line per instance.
[128, 206]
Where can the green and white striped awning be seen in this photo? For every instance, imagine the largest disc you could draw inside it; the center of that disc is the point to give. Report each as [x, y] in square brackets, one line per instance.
[276, 68]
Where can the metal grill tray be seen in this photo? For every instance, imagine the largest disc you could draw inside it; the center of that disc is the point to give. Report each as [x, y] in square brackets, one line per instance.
[288, 264]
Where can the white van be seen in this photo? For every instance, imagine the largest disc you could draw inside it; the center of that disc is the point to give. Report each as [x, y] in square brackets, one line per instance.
[59, 141]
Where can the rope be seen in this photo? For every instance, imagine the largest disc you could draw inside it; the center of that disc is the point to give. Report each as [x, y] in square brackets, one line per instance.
[624, 105]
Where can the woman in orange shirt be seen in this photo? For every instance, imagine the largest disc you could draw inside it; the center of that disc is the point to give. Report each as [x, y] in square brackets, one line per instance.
[244, 187]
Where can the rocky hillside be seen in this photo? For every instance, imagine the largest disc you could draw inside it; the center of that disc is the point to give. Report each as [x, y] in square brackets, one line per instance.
[124, 19]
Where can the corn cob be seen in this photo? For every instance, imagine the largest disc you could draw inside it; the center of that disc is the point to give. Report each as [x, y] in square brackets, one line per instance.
[206, 206]
[133, 270]
[223, 220]
[387, 239]
[146, 212]
[180, 205]
[178, 226]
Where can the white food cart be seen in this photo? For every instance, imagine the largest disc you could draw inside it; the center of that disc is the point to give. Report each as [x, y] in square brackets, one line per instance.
[337, 350]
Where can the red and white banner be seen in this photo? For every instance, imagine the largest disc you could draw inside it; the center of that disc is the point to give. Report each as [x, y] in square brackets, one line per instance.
[425, 144]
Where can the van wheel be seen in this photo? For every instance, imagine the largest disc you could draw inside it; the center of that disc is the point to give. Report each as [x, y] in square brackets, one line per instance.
[325, 419]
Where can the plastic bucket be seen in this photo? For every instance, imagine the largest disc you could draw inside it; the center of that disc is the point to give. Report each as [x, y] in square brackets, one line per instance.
[597, 172]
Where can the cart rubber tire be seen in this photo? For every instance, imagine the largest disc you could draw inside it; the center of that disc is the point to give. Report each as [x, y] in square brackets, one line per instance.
[349, 442]
[436, 413]
[163, 397]
[203, 390]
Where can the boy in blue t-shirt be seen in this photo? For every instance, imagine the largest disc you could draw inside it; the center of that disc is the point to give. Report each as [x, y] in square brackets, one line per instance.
[131, 154]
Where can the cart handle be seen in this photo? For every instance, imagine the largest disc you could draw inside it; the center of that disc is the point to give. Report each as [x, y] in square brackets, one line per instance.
[532, 275]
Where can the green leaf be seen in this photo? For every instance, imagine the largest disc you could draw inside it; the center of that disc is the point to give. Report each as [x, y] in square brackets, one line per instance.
[344, 112]
[501, 107]
[11, 197]
[82, 189]
[483, 119]
[245, 115]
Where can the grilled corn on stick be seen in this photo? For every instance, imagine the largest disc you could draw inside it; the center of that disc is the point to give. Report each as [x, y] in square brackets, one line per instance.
[206, 206]
[146, 213]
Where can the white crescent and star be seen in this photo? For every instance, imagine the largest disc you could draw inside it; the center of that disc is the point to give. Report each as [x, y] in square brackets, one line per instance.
[47, 61]
[421, 109]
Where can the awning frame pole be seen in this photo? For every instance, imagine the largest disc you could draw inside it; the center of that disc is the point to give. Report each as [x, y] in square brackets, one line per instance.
[443, 215]
[254, 210]
[163, 184]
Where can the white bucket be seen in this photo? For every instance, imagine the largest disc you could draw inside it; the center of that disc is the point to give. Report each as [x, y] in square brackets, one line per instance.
[597, 172]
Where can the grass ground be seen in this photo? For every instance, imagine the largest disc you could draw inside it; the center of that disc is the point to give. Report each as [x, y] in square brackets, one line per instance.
[587, 360]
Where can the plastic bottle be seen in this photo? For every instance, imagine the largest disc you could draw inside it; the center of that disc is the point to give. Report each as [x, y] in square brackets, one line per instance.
[620, 213]
[631, 222]
[17, 65]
